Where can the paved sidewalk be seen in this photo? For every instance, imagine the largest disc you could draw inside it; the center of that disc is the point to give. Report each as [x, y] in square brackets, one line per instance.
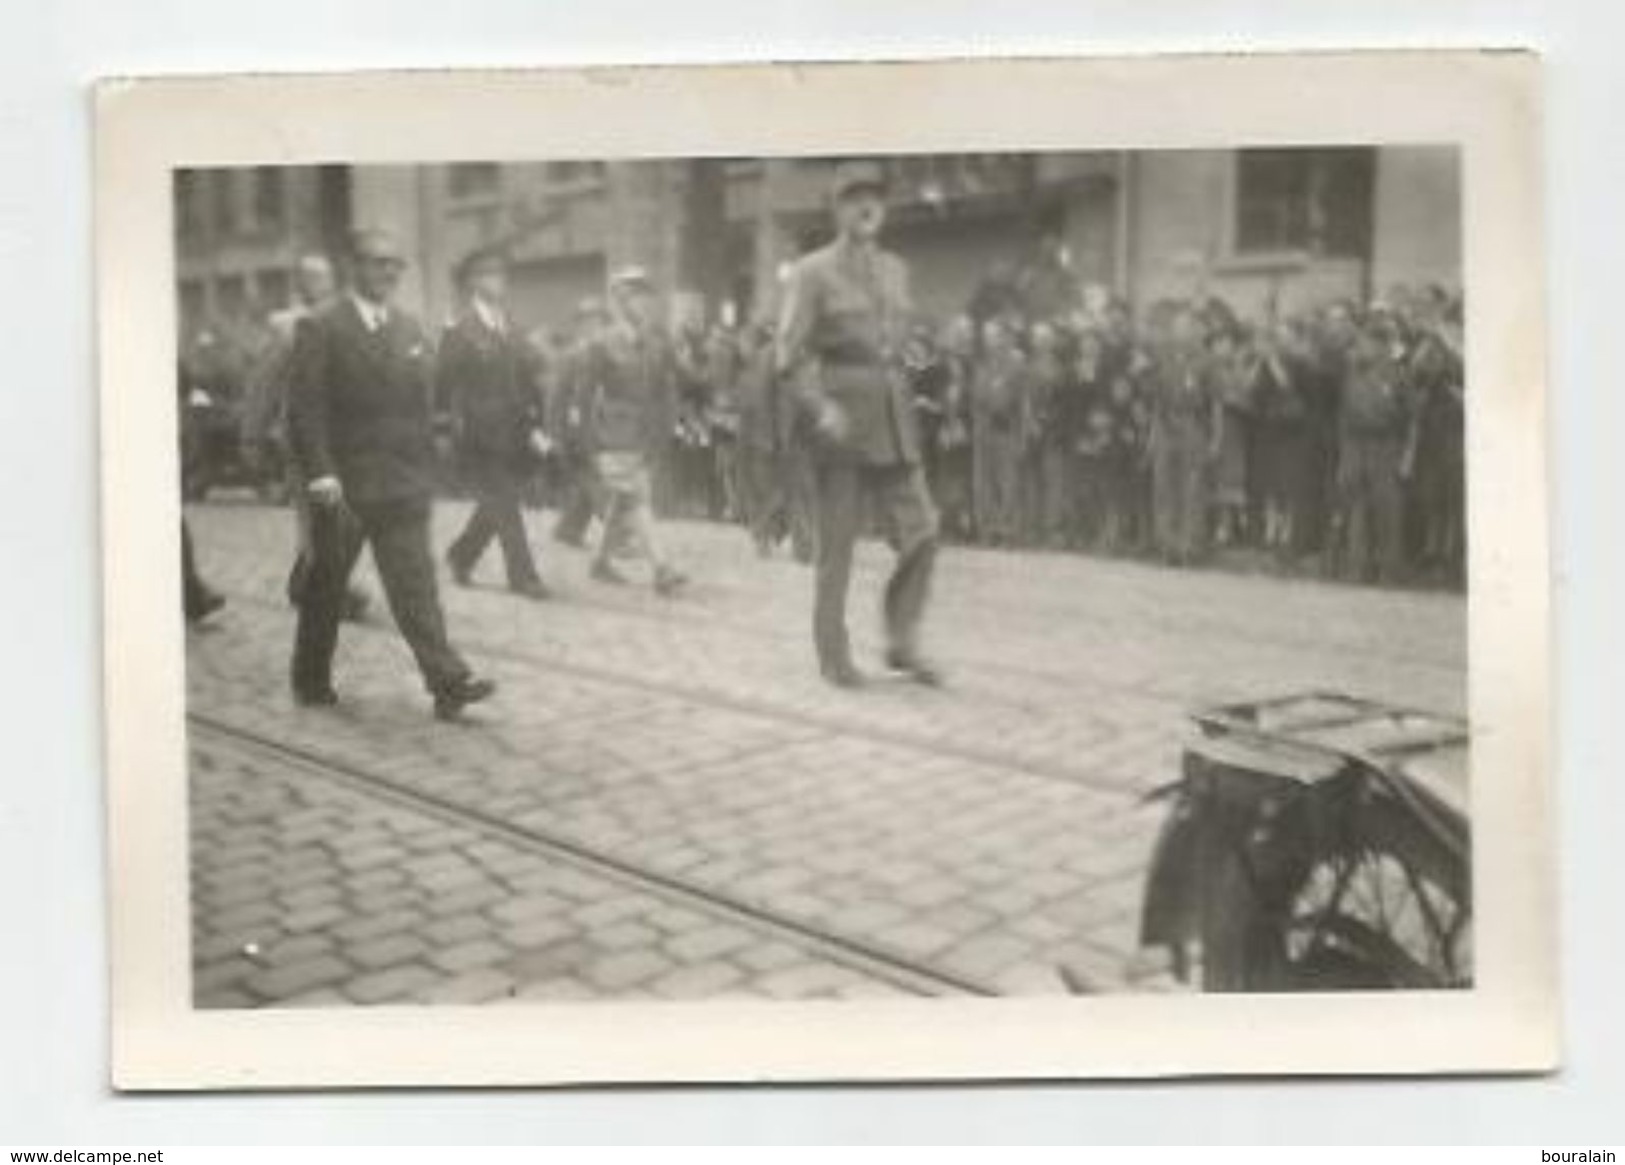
[993, 830]
[307, 894]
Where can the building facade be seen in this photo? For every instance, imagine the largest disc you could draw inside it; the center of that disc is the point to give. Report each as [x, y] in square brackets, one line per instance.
[239, 232]
[1291, 226]
[1259, 227]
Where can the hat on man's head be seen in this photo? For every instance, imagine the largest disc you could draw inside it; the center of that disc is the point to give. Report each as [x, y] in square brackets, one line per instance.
[857, 174]
[485, 255]
[376, 243]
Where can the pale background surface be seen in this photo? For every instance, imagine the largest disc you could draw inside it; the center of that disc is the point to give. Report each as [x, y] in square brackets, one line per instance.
[51, 868]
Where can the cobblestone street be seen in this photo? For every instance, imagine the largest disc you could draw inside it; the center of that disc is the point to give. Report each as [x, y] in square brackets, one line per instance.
[665, 801]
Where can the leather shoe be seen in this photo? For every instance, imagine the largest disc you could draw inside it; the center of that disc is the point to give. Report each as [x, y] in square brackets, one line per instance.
[460, 574]
[450, 701]
[915, 666]
[534, 589]
[843, 675]
[315, 697]
[668, 581]
[603, 571]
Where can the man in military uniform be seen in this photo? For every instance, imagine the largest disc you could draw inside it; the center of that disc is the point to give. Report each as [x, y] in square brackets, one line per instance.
[359, 414]
[1375, 419]
[839, 347]
[490, 378]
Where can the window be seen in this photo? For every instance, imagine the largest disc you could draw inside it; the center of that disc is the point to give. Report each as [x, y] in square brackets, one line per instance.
[270, 199]
[571, 173]
[1313, 200]
[274, 287]
[189, 212]
[474, 180]
[223, 200]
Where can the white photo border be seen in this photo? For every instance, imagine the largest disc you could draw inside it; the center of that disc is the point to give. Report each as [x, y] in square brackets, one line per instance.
[1485, 102]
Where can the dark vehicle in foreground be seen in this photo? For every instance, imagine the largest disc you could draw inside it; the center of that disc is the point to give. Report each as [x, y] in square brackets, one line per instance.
[1316, 842]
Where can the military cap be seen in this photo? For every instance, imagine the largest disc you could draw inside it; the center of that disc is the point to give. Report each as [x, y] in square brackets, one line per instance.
[483, 255]
[857, 174]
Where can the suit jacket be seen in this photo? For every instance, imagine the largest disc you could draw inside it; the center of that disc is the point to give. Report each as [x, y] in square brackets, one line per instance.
[492, 382]
[840, 340]
[359, 404]
[627, 382]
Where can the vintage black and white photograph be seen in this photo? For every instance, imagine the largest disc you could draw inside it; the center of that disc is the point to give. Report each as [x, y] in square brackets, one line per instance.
[835, 575]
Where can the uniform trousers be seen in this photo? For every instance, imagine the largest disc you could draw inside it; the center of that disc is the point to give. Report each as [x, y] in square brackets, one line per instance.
[775, 493]
[997, 470]
[1372, 505]
[398, 532]
[1179, 484]
[629, 516]
[845, 489]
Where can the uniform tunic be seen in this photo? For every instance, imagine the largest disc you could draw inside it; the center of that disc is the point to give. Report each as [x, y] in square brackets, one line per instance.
[1184, 396]
[839, 344]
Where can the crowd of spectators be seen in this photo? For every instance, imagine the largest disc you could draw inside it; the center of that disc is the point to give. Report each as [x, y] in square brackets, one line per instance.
[1325, 440]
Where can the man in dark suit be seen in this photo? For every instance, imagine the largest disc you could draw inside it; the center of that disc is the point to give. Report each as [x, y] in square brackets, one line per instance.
[359, 415]
[839, 346]
[490, 378]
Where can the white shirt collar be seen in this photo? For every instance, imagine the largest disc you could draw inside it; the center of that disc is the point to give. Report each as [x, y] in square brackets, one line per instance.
[490, 316]
[373, 315]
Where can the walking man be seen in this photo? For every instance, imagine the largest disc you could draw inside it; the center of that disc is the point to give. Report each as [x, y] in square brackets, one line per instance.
[839, 348]
[571, 425]
[362, 432]
[490, 378]
[627, 377]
